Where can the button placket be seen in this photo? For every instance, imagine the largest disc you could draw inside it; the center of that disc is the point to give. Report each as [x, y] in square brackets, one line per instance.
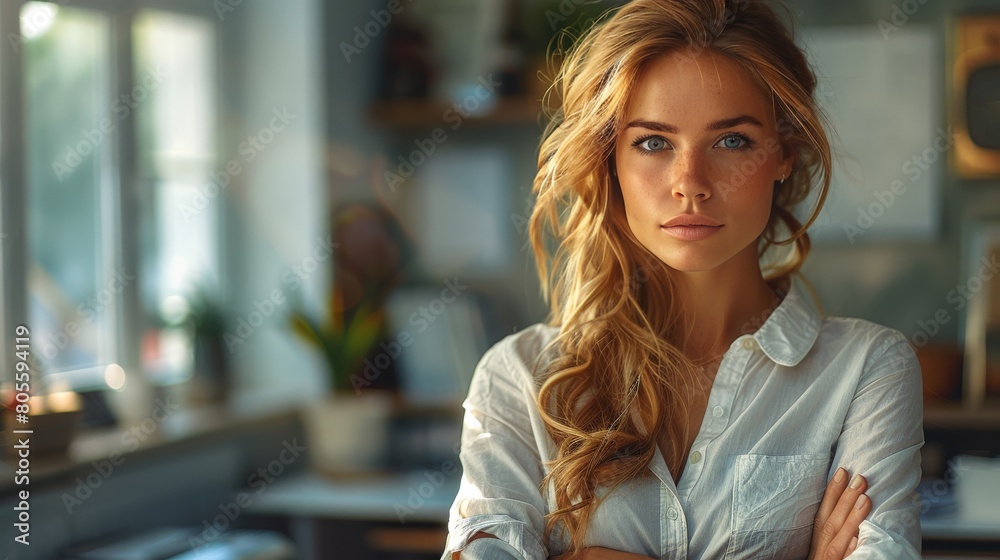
[677, 528]
[674, 525]
[721, 399]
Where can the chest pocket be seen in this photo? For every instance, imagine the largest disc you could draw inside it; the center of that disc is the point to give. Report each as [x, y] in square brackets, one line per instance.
[775, 500]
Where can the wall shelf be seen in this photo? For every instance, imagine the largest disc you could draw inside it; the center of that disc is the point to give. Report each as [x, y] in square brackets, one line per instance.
[431, 113]
[957, 417]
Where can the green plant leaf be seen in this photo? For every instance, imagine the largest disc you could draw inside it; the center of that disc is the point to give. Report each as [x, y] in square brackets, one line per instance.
[306, 329]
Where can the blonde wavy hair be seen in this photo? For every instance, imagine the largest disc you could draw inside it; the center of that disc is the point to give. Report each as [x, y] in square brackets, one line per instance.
[615, 384]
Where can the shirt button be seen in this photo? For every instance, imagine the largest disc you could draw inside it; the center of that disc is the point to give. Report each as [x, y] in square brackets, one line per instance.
[672, 513]
[695, 457]
[718, 412]
[748, 344]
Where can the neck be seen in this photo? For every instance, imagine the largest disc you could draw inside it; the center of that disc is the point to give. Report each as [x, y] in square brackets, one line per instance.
[722, 304]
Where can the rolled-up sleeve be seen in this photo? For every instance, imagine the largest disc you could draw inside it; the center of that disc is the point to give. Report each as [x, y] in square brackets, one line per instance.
[502, 466]
[881, 439]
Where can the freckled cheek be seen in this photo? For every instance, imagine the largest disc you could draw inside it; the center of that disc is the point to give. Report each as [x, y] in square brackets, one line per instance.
[642, 198]
[641, 190]
[742, 178]
[753, 198]
[643, 177]
[633, 198]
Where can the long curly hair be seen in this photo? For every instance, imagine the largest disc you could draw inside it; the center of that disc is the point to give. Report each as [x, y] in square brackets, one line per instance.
[615, 385]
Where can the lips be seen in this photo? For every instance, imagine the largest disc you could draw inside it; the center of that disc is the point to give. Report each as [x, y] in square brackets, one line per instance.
[692, 220]
[691, 227]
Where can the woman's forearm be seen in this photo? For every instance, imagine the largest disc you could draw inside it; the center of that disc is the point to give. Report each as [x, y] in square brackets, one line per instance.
[598, 553]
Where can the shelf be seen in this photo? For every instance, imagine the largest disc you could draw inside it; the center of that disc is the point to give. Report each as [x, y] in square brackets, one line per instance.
[955, 416]
[312, 495]
[429, 113]
[179, 432]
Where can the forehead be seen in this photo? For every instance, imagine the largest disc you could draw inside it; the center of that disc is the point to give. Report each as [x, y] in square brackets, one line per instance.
[681, 87]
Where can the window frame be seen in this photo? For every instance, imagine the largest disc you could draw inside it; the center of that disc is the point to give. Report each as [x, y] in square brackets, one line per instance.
[120, 232]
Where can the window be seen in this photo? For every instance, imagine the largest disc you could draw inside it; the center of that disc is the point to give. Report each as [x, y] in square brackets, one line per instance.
[112, 162]
[70, 122]
[175, 56]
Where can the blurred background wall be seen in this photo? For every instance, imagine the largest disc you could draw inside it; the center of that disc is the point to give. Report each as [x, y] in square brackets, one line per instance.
[304, 221]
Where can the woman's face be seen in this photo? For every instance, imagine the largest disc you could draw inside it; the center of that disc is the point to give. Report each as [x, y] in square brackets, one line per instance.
[697, 161]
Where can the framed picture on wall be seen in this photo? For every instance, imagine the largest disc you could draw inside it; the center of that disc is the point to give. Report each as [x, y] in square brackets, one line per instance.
[980, 287]
[974, 94]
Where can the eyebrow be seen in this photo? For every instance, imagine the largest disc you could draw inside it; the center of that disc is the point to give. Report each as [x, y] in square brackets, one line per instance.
[717, 125]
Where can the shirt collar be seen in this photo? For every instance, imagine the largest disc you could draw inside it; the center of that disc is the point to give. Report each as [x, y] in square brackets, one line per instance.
[790, 331]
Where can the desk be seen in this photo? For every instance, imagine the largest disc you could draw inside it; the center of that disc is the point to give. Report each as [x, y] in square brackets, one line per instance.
[950, 527]
[309, 499]
[398, 498]
[949, 534]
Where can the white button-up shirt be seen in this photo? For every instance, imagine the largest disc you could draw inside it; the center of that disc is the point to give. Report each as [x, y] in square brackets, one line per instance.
[790, 403]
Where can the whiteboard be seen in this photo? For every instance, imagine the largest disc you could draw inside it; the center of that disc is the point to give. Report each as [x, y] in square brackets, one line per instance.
[464, 202]
[882, 97]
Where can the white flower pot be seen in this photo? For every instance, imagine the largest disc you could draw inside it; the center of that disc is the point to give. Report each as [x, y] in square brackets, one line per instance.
[348, 435]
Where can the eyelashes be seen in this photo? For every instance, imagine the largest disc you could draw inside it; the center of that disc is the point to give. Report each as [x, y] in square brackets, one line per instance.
[653, 143]
[638, 144]
[747, 142]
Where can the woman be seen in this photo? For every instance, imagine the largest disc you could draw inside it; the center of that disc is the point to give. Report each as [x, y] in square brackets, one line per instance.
[686, 398]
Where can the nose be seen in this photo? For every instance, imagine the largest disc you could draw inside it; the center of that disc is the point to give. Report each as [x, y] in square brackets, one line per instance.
[690, 177]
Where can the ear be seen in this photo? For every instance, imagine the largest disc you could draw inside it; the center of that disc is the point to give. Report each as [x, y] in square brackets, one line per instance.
[785, 167]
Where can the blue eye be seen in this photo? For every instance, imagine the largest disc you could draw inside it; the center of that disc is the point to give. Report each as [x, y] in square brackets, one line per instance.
[735, 142]
[650, 144]
[732, 142]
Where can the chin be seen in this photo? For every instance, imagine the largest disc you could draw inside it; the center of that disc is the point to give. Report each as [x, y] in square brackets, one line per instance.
[690, 266]
[692, 261]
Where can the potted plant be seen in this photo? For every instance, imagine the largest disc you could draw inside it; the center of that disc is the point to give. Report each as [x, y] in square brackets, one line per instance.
[344, 339]
[207, 324]
[349, 429]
